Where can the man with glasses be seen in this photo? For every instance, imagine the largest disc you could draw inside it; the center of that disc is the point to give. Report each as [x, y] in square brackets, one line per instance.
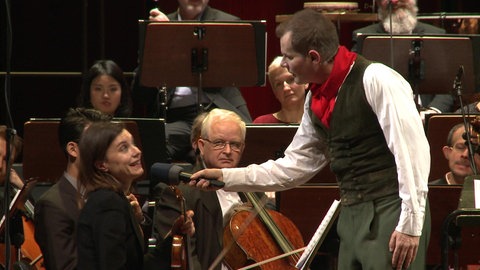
[220, 143]
[456, 152]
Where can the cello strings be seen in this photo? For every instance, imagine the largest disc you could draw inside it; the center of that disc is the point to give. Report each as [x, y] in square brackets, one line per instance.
[296, 251]
[277, 234]
[258, 208]
[226, 249]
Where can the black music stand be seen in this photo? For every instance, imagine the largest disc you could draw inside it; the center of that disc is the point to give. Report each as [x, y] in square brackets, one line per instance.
[203, 54]
[428, 62]
[465, 215]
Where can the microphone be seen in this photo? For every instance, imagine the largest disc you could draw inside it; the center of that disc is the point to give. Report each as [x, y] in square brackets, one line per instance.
[459, 76]
[457, 83]
[174, 174]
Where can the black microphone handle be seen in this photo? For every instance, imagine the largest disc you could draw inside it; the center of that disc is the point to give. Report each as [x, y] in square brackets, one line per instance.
[185, 177]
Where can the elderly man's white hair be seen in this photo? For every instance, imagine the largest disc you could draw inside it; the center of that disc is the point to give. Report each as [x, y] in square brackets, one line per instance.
[216, 115]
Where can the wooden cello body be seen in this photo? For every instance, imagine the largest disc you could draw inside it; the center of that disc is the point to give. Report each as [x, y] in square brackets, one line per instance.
[266, 236]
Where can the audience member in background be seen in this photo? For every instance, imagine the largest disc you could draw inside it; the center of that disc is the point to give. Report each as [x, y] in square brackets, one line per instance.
[56, 212]
[220, 145]
[290, 95]
[400, 17]
[104, 88]
[182, 102]
[457, 154]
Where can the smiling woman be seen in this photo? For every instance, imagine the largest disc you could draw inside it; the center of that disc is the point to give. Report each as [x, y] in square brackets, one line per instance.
[109, 235]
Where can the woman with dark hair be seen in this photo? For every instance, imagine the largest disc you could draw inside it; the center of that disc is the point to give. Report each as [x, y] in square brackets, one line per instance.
[104, 88]
[109, 234]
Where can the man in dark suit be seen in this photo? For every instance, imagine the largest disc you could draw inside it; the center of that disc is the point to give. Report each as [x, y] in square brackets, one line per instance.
[399, 17]
[56, 212]
[182, 102]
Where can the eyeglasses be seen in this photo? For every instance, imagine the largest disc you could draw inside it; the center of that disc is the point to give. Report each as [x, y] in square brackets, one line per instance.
[220, 144]
[459, 147]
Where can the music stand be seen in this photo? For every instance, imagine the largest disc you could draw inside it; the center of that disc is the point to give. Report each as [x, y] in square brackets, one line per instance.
[465, 215]
[203, 54]
[440, 56]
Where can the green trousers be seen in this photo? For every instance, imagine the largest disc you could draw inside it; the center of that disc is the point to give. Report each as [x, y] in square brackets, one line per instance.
[365, 229]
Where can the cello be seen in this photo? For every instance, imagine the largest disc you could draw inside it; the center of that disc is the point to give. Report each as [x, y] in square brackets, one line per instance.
[255, 239]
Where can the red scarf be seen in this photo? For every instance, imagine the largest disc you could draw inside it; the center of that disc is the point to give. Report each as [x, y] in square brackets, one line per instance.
[324, 95]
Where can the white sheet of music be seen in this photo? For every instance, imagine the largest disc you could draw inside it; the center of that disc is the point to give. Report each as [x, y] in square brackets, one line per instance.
[317, 236]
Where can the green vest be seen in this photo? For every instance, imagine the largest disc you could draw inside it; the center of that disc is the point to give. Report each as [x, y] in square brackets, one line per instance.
[358, 153]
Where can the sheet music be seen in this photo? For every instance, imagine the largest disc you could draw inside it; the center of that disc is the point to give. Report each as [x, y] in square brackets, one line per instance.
[313, 244]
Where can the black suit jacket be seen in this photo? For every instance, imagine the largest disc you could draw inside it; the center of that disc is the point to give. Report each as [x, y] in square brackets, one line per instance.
[56, 214]
[108, 235]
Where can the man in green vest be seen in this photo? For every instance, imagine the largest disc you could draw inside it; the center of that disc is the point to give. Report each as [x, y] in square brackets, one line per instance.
[359, 116]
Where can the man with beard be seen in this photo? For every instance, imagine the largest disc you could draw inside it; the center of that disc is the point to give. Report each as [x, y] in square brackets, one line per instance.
[399, 17]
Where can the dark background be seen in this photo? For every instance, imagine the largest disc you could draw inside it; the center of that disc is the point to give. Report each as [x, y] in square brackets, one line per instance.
[54, 41]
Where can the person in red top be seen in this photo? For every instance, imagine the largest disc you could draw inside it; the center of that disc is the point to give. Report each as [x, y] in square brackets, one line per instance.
[290, 95]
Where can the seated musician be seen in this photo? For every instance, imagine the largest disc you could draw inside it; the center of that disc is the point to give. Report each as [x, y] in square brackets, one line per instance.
[290, 95]
[220, 142]
[457, 154]
[16, 148]
[56, 212]
[16, 183]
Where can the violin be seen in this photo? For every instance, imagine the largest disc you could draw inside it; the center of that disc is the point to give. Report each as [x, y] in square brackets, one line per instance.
[260, 238]
[29, 254]
[180, 251]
